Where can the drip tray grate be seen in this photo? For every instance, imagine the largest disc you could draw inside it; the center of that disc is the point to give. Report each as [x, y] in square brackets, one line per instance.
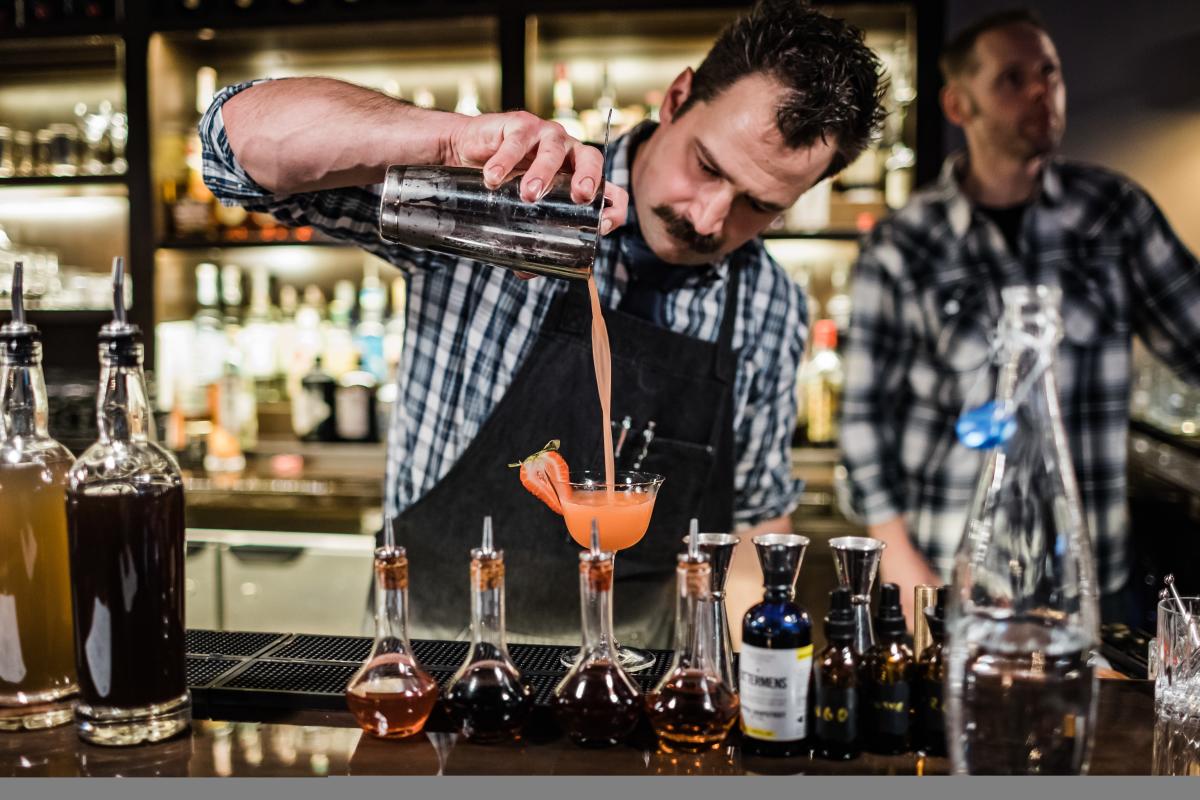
[202, 671]
[238, 644]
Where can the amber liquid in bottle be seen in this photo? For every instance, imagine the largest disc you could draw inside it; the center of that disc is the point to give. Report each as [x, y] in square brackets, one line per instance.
[596, 703]
[887, 673]
[390, 695]
[487, 699]
[692, 708]
[931, 676]
[836, 684]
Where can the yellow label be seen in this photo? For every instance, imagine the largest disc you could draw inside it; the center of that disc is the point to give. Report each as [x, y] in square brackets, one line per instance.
[804, 652]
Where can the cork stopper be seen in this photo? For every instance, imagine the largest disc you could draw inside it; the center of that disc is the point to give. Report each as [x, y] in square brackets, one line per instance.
[487, 569]
[598, 569]
[391, 568]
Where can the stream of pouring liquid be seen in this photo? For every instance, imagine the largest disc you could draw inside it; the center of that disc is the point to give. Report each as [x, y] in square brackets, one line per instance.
[602, 359]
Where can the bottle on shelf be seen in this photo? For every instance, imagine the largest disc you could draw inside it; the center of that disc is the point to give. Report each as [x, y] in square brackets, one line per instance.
[191, 206]
[370, 333]
[314, 406]
[210, 342]
[337, 337]
[931, 675]
[37, 668]
[125, 526]
[776, 659]
[838, 306]
[691, 708]
[355, 412]
[393, 336]
[1020, 691]
[887, 677]
[564, 103]
[390, 695]
[836, 685]
[259, 339]
[822, 378]
[288, 352]
[596, 702]
[487, 699]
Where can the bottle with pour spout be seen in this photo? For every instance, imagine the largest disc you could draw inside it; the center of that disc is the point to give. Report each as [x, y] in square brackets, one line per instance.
[125, 526]
[37, 661]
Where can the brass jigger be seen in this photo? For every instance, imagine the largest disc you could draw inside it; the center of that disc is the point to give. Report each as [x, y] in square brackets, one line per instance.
[719, 549]
[856, 559]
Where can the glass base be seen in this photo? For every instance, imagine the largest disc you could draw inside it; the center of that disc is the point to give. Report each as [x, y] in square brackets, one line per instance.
[630, 658]
[105, 725]
[37, 717]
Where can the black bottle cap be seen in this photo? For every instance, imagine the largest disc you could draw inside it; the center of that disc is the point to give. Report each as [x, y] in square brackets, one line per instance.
[936, 615]
[839, 622]
[889, 622]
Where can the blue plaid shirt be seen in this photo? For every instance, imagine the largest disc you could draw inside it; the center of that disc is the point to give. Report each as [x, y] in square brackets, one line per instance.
[470, 327]
[926, 297]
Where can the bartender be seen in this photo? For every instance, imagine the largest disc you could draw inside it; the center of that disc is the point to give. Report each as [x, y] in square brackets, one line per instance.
[707, 331]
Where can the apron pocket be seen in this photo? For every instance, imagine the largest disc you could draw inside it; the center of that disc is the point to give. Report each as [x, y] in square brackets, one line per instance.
[687, 468]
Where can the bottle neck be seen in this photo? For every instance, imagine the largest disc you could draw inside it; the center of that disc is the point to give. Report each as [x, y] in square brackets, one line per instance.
[391, 599]
[595, 592]
[694, 619]
[487, 605]
[774, 593]
[123, 407]
[23, 407]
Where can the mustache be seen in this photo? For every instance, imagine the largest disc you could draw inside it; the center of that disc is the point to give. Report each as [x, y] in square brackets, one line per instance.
[681, 229]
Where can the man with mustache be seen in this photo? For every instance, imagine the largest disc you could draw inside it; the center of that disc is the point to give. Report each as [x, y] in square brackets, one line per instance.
[707, 331]
[927, 293]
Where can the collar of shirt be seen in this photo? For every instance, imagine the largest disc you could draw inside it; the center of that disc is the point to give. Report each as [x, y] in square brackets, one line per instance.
[959, 206]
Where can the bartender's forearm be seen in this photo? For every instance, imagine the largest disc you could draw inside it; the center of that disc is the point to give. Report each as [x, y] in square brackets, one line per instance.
[307, 134]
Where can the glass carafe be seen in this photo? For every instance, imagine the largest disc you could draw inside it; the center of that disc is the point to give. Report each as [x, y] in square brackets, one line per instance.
[597, 703]
[1021, 695]
[391, 696]
[125, 529]
[37, 661]
[487, 699]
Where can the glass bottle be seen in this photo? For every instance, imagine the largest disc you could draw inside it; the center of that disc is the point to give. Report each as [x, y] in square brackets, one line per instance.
[209, 340]
[931, 675]
[775, 668]
[692, 708]
[822, 379]
[370, 332]
[887, 674]
[487, 699]
[314, 407]
[836, 683]
[37, 662]
[597, 703]
[390, 695]
[125, 528]
[355, 412]
[259, 340]
[1021, 695]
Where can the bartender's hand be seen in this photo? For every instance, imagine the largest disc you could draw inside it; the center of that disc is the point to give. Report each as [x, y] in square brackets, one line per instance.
[902, 564]
[502, 143]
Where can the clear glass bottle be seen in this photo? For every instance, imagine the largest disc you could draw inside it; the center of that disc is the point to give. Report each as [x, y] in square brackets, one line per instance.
[597, 703]
[209, 340]
[37, 661]
[1021, 695]
[692, 708]
[836, 684]
[125, 528]
[355, 413]
[775, 668]
[822, 379]
[391, 696]
[887, 677]
[487, 699]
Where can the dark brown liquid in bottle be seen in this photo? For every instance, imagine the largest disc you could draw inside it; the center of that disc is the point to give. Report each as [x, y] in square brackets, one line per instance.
[693, 711]
[595, 706]
[488, 703]
[126, 554]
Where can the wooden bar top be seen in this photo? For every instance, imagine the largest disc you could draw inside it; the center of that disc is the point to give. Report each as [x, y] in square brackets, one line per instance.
[250, 742]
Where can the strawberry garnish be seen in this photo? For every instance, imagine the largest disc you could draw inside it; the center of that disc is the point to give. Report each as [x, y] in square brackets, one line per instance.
[540, 473]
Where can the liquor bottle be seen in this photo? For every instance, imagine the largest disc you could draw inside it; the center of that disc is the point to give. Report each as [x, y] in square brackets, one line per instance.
[258, 341]
[564, 103]
[390, 695]
[338, 351]
[596, 703]
[836, 684]
[355, 412]
[308, 340]
[192, 205]
[314, 406]
[393, 337]
[370, 332]
[776, 660]
[37, 662]
[822, 379]
[288, 352]
[692, 708]
[1020, 693]
[931, 675]
[887, 677]
[487, 699]
[125, 529]
[210, 343]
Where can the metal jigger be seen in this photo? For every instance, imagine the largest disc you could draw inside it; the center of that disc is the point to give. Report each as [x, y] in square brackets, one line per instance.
[719, 549]
[856, 559]
[780, 556]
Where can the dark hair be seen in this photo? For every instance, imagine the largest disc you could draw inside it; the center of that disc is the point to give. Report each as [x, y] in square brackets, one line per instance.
[833, 83]
[958, 56]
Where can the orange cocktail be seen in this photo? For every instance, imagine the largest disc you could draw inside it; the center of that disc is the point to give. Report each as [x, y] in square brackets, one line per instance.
[623, 516]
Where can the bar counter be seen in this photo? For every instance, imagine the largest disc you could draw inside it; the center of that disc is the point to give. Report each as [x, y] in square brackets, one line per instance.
[253, 742]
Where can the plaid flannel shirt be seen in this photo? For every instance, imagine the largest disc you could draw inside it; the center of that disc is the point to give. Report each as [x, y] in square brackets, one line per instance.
[926, 297]
[471, 325]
